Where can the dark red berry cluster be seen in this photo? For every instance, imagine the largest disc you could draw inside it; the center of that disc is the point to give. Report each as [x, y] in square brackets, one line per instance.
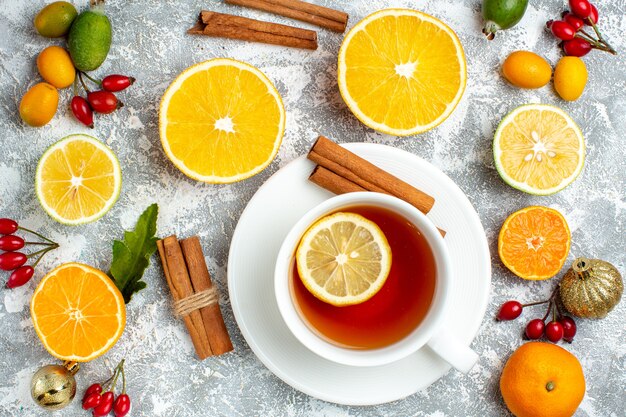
[11, 260]
[100, 101]
[103, 403]
[560, 327]
[576, 41]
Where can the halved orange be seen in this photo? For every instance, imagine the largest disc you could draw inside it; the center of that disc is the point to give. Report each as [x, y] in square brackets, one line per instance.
[221, 121]
[401, 71]
[534, 242]
[78, 312]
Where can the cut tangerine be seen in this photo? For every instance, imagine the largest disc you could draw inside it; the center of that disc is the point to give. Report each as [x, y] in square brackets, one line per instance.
[534, 242]
[78, 312]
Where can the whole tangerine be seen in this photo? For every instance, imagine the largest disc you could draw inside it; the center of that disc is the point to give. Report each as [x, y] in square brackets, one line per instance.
[542, 380]
[526, 69]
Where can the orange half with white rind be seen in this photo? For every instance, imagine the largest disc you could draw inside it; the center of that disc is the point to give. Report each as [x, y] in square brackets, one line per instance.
[221, 121]
[401, 71]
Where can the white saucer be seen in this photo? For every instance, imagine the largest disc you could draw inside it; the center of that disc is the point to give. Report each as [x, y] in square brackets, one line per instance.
[276, 206]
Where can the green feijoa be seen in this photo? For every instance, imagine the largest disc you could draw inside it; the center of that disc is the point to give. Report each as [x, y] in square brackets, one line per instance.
[502, 14]
[54, 20]
[90, 38]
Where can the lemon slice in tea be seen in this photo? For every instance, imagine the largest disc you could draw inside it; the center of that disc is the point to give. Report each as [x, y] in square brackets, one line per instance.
[343, 259]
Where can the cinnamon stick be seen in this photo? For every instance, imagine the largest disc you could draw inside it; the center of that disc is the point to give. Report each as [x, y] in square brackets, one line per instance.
[357, 170]
[235, 27]
[339, 185]
[180, 286]
[201, 281]
[306, 12]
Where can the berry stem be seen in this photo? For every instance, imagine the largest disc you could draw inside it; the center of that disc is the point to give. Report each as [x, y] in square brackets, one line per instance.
[42, 251]
[40, 243]
[547, 312]
[93, 80]
[80, 76]
[123, 380]
[36, 234]
[74, 85]
[116, 374]
[536, 303]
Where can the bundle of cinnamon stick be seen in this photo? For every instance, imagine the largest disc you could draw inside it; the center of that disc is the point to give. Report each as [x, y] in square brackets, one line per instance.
[340, 171]
[235, 27]
[195, 296]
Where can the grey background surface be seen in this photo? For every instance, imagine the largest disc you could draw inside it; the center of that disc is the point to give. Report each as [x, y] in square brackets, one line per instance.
[150, 43]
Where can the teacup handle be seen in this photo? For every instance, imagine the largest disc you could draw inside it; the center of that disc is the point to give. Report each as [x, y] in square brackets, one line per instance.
[458, 355]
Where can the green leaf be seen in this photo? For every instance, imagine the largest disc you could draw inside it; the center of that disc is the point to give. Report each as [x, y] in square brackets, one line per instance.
[132, 256]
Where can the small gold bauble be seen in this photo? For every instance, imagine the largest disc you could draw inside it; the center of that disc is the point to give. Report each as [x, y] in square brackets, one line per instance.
[591, 288]
[53, 386]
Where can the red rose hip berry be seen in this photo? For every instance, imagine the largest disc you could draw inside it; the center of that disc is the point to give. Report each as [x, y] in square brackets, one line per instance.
[554, 331]
[8, 226]
[12, 260]
[593, 16]
[121, 406]
[581, 8]
[20, 276]
[562, 30]
[574, 21]
[510, 310]
[534, 329]
[103, 102]
[569, 328]
[576, 47]
[11, 242]
[82, 111]
[116, 82]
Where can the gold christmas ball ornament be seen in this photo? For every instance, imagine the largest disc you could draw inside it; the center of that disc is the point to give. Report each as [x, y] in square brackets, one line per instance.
[591, 288]
[53, 386]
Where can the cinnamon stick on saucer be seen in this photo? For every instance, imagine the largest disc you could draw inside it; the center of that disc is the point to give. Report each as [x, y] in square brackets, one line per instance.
[306, 12]
[368, 176]
[341, 171]
[235, 27]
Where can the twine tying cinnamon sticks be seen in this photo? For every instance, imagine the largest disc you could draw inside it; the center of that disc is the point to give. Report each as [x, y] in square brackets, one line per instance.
[340, 171]
[194, 302]
[195, 297]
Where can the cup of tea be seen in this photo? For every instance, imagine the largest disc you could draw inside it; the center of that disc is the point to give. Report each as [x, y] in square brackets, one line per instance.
[408, 311]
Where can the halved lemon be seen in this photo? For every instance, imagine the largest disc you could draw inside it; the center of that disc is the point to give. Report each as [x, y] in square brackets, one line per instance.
[221, 121]
[78, 312]
[534, 242]
[538, 149]
[343, 259]
[401, 71]
[78, 180]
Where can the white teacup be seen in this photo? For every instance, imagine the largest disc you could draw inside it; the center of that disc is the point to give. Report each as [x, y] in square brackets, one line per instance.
[430, 332]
